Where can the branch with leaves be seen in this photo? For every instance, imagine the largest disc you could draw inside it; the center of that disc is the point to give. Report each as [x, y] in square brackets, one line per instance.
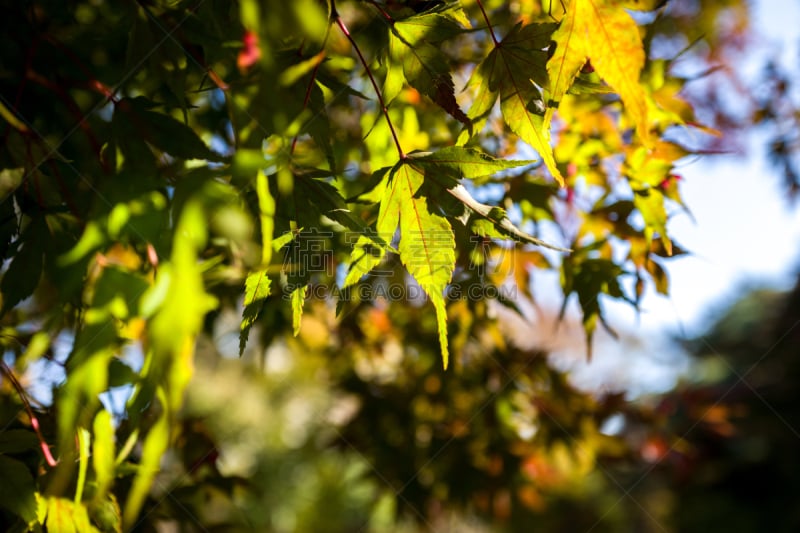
[352, 146]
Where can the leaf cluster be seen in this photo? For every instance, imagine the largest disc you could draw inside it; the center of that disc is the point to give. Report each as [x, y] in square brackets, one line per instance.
[166, 163]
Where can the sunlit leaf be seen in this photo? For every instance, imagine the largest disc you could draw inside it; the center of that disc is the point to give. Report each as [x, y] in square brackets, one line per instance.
[256, 291]
[298, 298]
[426, 240]
[266, 209]
[424, 66]
[155, 444]
[602, 31]
[103, 453]
[67, 516]
[84, 443]
[426, 244]
[457, 162]
[650, 203]
[514, 70]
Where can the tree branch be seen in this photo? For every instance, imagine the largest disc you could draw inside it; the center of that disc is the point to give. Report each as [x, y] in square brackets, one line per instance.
[340, 23]
[48, 457]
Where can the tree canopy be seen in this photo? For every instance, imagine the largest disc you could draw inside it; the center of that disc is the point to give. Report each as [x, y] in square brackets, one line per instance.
[367, 185]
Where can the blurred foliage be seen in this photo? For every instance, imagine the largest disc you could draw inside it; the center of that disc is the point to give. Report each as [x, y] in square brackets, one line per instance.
[736, 467]
[309, 182]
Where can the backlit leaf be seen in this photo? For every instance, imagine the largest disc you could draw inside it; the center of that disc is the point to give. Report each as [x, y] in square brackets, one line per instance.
[256, 291]
[498, 218]
[514, 70]
[298, 300]
[266, 210]
[650, 203]
[603, 32]
[103, 453]
[426, 243]
[65, 516]
[457, 162]
[155, 444]
[425, 67]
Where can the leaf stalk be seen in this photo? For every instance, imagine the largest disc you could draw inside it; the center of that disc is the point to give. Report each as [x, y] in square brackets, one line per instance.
[488, 24]
[384, 109]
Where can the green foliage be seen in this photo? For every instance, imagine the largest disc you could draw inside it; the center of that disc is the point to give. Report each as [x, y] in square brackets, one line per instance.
[515, 71]
[167, 165]
[18, 493]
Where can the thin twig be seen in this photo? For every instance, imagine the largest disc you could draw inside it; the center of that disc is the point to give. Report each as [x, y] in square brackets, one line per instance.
[320, 58]
[48, 457]
[382, 11]
[340, 23]
[488, 24]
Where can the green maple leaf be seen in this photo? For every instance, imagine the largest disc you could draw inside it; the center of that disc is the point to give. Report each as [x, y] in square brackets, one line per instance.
[447, 166]
[413, 57]
[458, 162]
[298, 299]
[514, 70]
[427, 243]
[589, 278]
[256, 290]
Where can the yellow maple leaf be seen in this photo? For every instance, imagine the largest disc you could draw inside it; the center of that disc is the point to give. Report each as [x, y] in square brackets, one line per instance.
[603, 32]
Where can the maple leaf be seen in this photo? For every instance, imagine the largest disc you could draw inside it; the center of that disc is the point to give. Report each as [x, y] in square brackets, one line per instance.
[298, 299]
[514, 70]
[650, 203]
[415, 58]
[498, 218]
[600, 31]
[427, 243]
[257, 284]
[459, 162]
[589, 278]
[256, 290]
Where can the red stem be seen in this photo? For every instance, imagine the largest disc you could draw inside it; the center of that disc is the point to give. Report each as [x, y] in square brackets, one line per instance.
[93, 84]
[382, 11]
[488, 24]
[385, 110]
[48, 457]
[72, 107]
[310, 86]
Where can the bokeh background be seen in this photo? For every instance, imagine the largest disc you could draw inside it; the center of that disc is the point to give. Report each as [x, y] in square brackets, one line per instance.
[686, 419]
